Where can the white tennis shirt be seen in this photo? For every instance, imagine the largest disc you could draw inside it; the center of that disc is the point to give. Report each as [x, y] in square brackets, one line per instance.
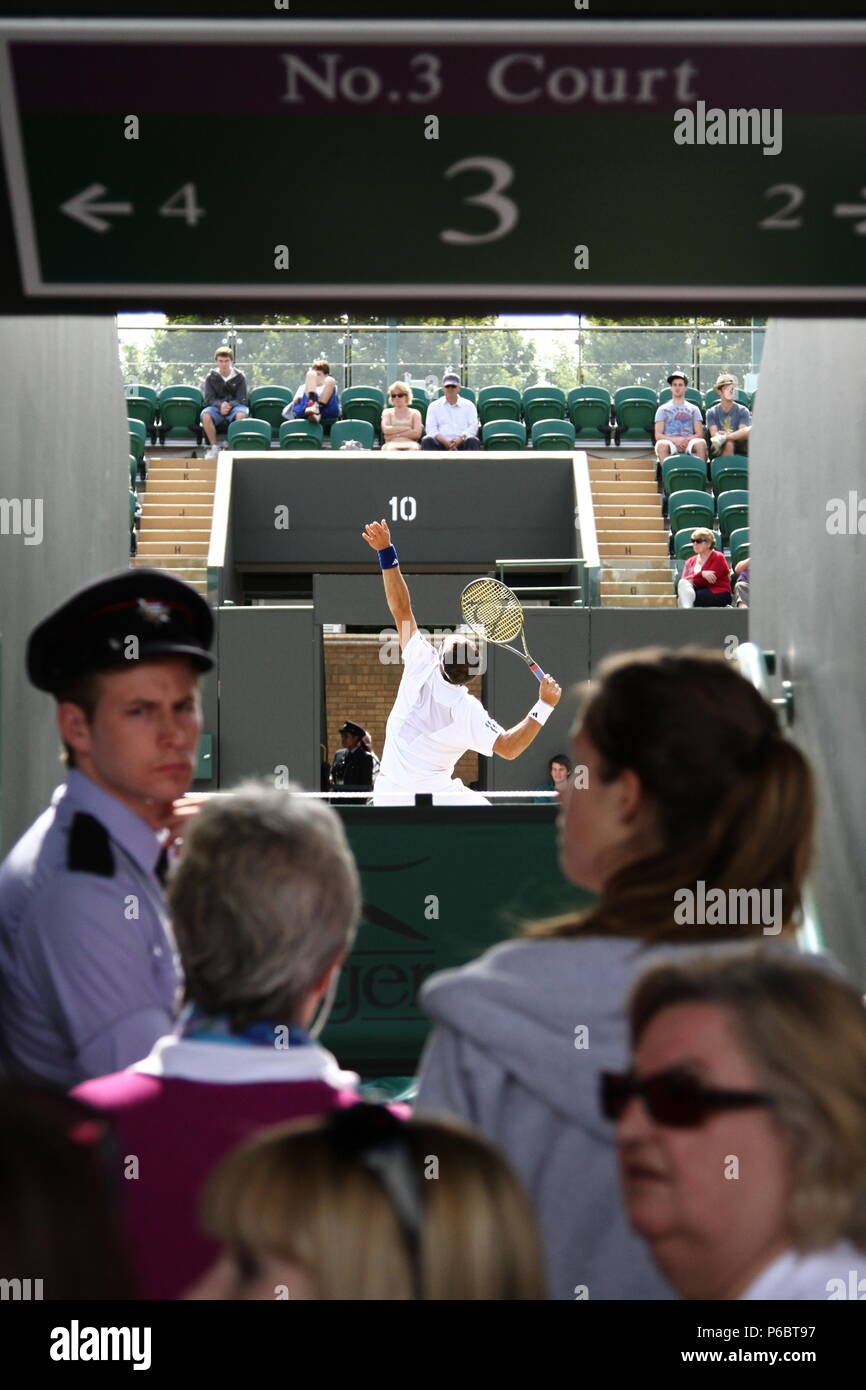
[432, 724]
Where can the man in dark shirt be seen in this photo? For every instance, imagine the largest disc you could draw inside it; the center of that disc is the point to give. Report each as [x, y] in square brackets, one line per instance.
[225, 398]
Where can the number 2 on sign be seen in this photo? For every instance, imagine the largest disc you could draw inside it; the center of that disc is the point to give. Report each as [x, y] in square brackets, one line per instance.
[506, 210]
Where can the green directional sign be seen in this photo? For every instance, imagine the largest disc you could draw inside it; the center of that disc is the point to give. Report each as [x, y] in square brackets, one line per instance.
[578, 160]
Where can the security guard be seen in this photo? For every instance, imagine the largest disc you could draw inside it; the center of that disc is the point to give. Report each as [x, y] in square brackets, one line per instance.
[353, 763]
[89, 977]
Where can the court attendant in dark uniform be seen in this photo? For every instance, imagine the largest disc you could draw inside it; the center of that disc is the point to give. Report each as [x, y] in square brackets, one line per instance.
[88, 971]
[352, 770]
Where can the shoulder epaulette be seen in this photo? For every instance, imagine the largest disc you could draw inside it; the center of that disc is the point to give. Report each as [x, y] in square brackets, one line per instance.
[89, 850]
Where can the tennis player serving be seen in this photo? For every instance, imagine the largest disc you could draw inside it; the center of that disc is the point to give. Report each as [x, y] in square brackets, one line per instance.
[435, 720]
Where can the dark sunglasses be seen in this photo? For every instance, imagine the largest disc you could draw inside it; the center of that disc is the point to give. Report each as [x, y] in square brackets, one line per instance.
[698, 540]
[395, 395]
[671, 1097]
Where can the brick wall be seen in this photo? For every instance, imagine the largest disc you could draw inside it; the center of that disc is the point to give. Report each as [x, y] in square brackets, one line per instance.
[359, 686]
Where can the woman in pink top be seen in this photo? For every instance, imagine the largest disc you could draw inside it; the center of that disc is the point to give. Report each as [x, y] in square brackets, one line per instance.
[706, 578]
[264, 904]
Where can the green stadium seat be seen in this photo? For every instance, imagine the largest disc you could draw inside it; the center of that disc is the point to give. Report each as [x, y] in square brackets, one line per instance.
[588, 408]
[635, 408]
[179, 410]
[363, 403]
[683, 471]
[142, 403]
[681, 542]
[730, 471]
[134, 512]
[739, 540]
[137, 439]
[742, 397]
[498, 403]
[359, 431]
[420, 403]
[711, 397]
[553, 434]
[733, 510]
[301, 434]
[133, 469]
[503, 434]
[268, 403]
[692, 394]
[543, 403]
[249, 434]
[752, 399]
[690, 507]
[462, 391]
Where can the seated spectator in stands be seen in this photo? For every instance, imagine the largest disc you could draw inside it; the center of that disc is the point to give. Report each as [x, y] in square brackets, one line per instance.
[402, 426]
[60, 1230]
[452, 420]
[353, 762]
[225, 398]
[353, 1209]
[728, 422]
[264, 903]
[679, 427]
[688, 779]
[706, 578]
[741, 587]
[558, 769]
[743, 1164]
[317, 398]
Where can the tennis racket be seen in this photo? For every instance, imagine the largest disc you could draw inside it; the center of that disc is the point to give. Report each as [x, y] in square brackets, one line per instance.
[494, 611]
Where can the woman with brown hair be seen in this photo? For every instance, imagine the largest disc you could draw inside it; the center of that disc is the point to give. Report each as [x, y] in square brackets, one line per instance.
[366, 1206]
[693, 823]
[744, 1164]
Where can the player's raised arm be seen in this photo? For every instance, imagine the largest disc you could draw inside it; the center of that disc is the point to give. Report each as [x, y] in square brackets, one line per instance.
[378, 537]
[514, 741]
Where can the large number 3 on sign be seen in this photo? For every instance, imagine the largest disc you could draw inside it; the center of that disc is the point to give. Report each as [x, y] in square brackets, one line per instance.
[506, 210]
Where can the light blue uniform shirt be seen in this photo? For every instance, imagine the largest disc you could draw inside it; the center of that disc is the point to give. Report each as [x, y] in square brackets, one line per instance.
[89, 974]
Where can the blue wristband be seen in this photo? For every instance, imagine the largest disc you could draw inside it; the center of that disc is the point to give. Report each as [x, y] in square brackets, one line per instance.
[388, 558]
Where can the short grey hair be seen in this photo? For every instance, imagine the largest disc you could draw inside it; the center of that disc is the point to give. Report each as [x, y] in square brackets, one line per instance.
[264, 898]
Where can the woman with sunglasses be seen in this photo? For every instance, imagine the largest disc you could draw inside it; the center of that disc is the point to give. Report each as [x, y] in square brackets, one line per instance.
[741, 1128]
[402, 426]
[366, 1206]
[706, 577]
[687, 783]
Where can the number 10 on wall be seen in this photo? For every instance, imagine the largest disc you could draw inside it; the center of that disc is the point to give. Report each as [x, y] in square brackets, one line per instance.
[403, 508]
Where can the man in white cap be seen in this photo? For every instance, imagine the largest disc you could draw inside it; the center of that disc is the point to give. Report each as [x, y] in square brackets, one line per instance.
[452, 421]
[728, 422]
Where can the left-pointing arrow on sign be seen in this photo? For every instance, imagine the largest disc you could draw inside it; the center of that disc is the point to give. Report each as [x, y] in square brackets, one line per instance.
[84, 209]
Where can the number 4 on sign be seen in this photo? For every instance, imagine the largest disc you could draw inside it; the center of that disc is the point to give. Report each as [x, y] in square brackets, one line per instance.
[183, 204]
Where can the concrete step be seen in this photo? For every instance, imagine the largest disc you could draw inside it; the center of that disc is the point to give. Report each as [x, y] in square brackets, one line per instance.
[193, 574]
[181, 475]
[190, 487]
[171, 547]
[198, 511]
[177, 497]
[640, 601]
[636, 512]
[647, 588]
[612, 531]
[646, 573]
[153, 529]
[618, 550]
[613, 491]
